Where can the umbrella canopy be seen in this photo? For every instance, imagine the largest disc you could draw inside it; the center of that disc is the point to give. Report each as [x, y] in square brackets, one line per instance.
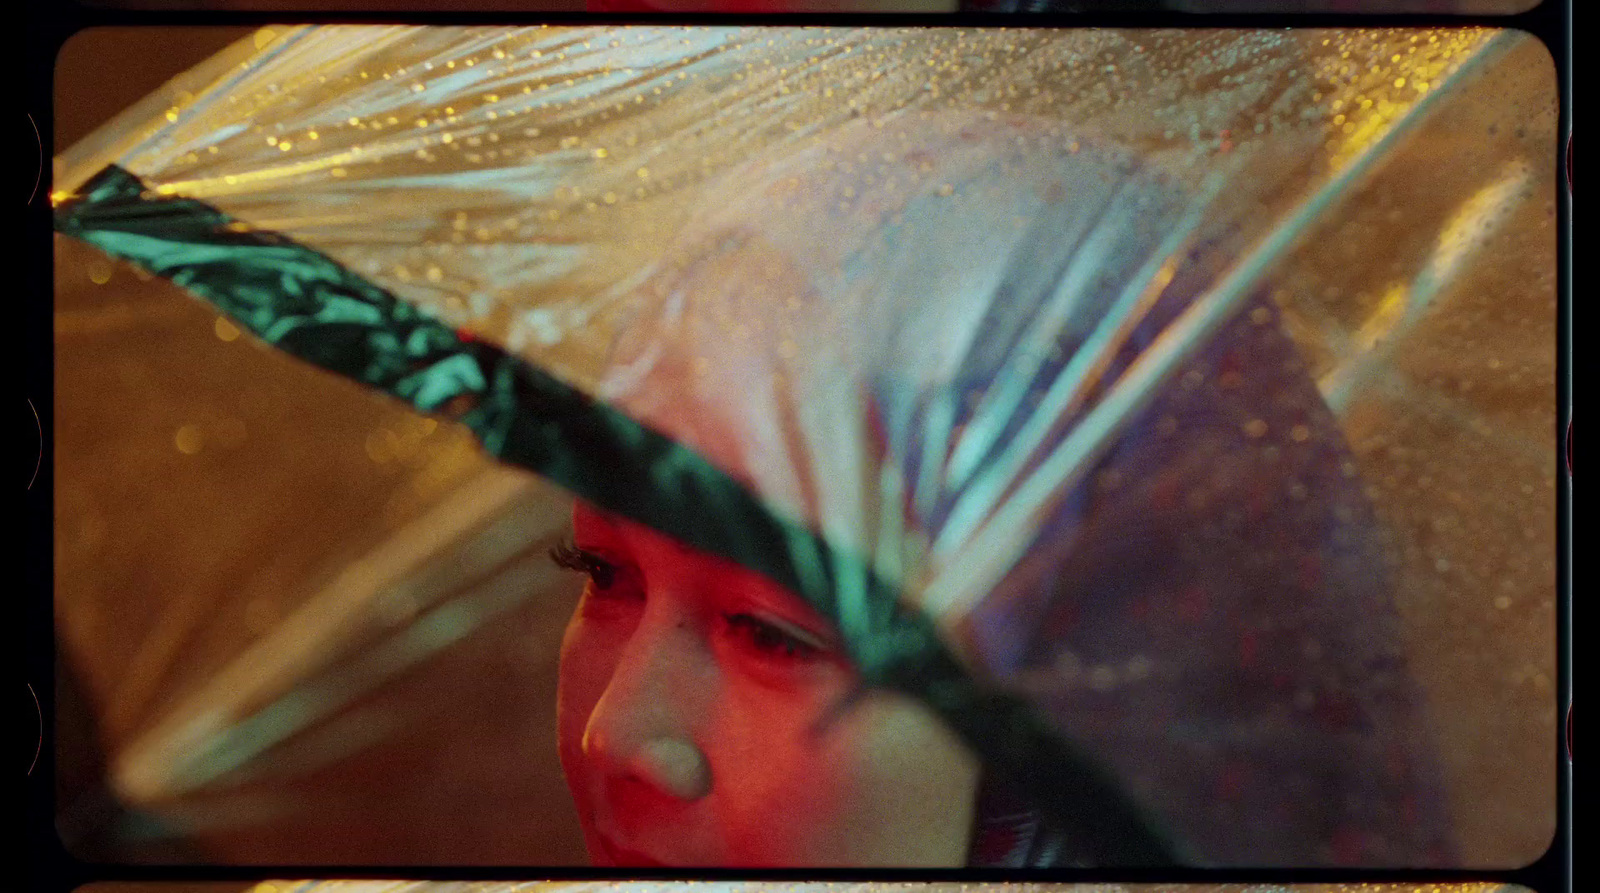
[950, 332]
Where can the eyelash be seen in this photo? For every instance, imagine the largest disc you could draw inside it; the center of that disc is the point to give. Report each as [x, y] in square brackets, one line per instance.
[771, 640]
[600, 571]
[766, 638]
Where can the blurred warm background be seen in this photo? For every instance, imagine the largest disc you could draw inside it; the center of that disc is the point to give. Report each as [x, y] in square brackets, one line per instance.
[356, 580]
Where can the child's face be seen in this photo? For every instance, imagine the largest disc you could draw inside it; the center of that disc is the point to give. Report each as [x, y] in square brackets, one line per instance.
[697, 723]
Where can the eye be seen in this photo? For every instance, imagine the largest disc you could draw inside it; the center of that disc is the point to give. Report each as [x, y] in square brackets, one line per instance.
[602, 573]
[771, 641]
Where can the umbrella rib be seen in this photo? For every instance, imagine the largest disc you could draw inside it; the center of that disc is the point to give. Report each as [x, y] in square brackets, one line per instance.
[995, 547]
[305, 640]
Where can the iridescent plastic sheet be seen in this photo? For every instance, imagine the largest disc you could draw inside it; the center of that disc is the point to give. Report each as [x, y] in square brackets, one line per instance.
[1191, 303]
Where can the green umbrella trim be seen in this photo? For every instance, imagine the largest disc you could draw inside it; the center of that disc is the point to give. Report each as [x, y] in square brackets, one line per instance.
[304, 302]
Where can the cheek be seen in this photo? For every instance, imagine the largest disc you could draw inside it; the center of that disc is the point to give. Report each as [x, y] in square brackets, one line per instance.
[886, 785]
[899, 788]
[775, 786]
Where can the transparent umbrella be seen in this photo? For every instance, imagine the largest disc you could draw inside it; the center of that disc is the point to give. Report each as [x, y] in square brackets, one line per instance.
[1117, 394]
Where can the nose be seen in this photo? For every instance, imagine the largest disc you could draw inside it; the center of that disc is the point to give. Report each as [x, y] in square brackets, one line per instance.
[643, 729]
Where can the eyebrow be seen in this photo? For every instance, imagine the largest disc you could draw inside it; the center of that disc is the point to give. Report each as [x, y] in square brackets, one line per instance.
[616, 524]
